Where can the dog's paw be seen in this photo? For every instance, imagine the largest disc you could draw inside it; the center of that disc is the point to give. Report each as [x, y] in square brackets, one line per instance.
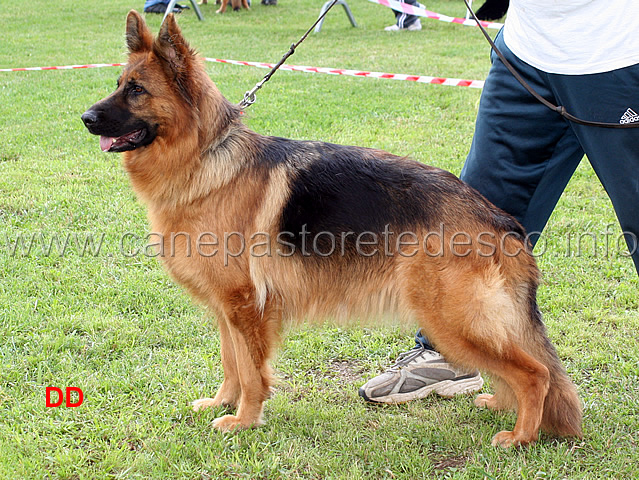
[231, 423]
[505, 439]
[508, 439]
[203, 403]
[485, 400]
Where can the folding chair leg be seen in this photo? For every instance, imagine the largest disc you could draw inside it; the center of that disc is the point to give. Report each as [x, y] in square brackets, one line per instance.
[347, 9]
[470, 2]
[196, 8]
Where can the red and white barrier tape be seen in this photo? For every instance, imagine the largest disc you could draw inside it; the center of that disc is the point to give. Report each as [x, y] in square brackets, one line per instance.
[421, 12]
[456, 82]
[358, 73]
[64, 67]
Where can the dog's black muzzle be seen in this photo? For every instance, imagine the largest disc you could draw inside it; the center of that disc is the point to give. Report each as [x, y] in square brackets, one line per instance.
[118, 128]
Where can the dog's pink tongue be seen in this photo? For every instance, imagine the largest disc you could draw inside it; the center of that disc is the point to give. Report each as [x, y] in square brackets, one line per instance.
[106, 142]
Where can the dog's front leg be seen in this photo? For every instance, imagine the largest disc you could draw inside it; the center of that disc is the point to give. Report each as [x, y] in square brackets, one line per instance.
[229, 392]
[254, 332]
[222, 8]
[255, 387]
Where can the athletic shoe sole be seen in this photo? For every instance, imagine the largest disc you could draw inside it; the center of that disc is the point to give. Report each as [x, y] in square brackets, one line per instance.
[445, 388]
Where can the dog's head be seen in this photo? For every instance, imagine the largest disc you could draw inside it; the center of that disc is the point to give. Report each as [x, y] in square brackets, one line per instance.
[153, 93]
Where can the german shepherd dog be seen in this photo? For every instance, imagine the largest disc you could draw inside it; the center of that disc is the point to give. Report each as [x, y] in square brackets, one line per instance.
[301, 224]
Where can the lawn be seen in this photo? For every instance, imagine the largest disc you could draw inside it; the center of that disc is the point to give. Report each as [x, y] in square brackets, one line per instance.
[80, 308]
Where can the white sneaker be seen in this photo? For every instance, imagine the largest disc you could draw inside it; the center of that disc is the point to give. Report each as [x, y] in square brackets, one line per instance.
[417, 374]
[415, 26]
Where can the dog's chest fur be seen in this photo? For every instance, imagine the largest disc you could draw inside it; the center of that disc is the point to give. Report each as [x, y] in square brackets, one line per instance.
[199, 243]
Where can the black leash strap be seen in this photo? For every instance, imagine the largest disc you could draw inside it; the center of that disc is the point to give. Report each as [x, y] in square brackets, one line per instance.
[559, 109]
[249, 97]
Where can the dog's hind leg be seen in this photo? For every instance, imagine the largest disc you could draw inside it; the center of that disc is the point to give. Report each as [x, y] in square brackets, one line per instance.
[529, 381]
[526, 379]
[475, 320]
[254, 333]
[229, 392]
[503, 398]
[222, 8]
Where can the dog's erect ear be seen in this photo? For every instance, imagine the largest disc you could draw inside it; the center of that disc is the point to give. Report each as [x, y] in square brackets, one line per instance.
[138, 36]
[178, 58]
[171, 46]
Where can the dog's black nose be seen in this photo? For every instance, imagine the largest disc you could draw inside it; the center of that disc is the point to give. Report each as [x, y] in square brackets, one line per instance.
[89, 118]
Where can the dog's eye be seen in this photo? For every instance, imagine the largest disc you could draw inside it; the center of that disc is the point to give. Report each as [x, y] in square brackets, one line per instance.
[137, 90]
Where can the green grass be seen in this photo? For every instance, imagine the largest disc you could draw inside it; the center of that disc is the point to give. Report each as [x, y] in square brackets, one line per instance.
[117, 327]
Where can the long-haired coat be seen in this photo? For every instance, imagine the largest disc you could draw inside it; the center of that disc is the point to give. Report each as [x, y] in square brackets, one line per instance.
[264, 229]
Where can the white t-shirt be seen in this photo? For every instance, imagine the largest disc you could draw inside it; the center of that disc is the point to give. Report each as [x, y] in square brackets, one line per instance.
[574, 37]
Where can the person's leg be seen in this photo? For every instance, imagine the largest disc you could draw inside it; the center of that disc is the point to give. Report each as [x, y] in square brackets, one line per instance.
[613, 153]
[522, 154]
[492, 10]
[421, 341]
[410, 22]
[404, 21]
[156, 8]
[521, 159]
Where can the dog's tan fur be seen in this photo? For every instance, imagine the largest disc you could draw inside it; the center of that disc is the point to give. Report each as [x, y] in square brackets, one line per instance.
[235, 4]
[202, 174]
